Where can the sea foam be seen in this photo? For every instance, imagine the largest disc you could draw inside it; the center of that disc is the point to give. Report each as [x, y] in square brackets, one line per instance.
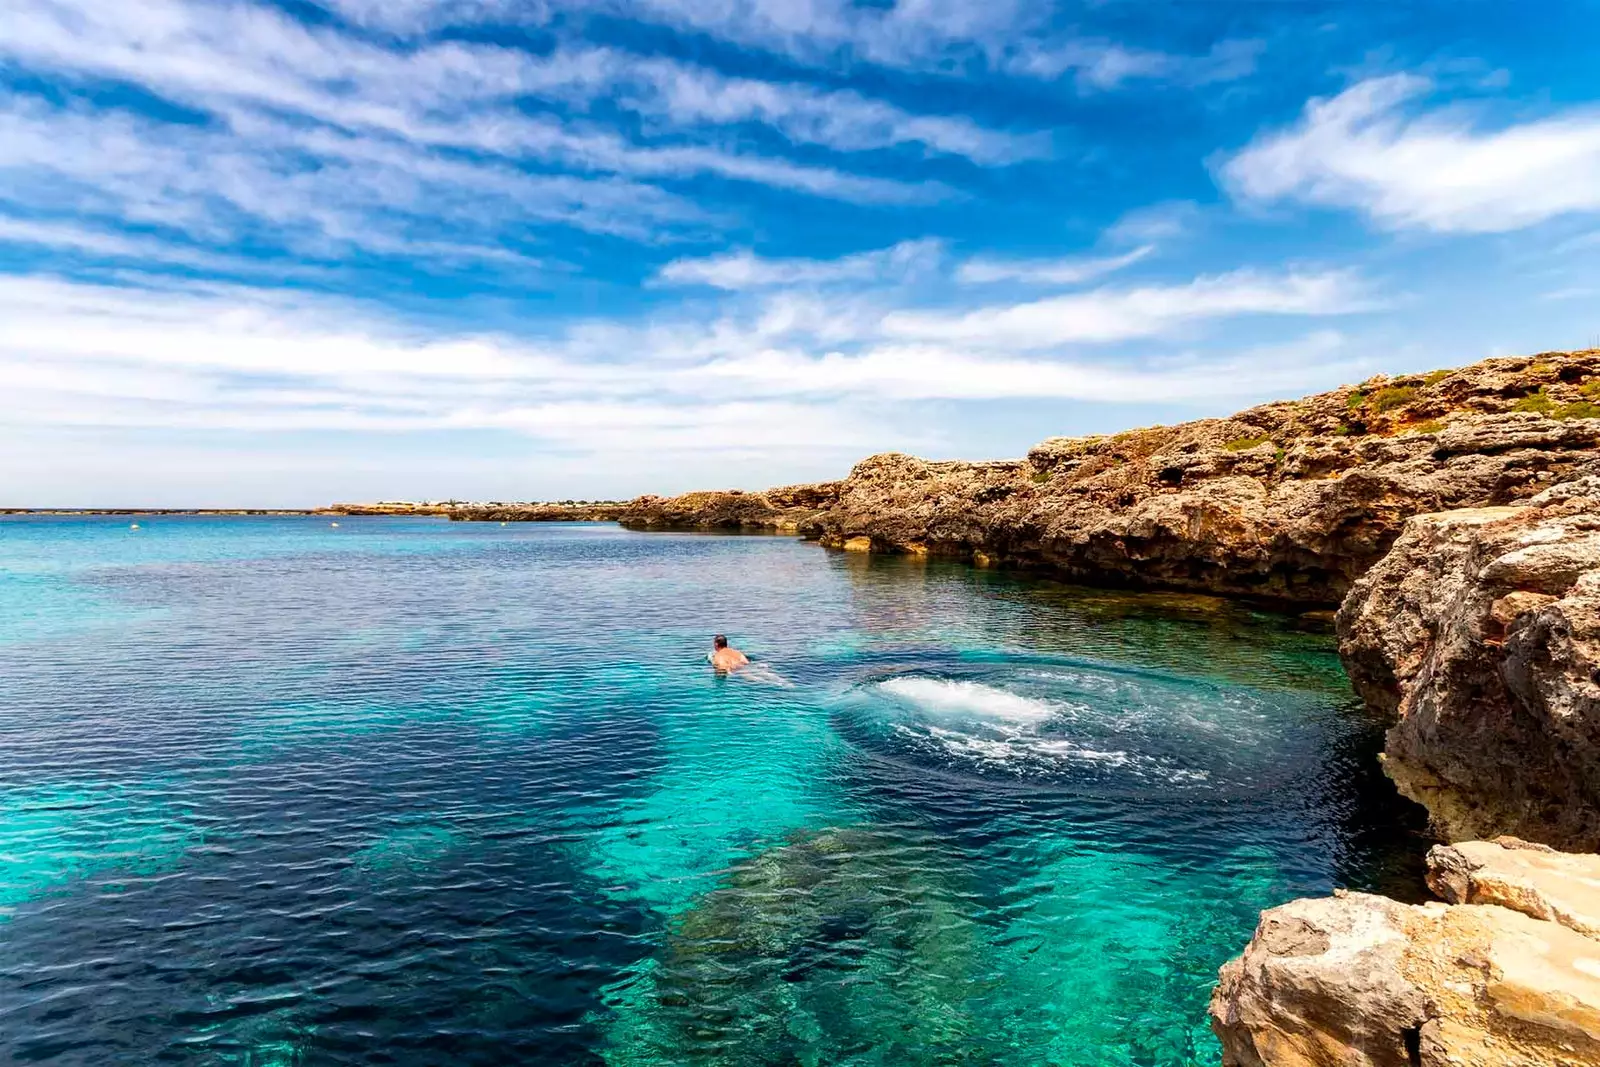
[968, 698]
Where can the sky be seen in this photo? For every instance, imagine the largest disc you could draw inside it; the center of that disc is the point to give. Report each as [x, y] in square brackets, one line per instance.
[287, 252]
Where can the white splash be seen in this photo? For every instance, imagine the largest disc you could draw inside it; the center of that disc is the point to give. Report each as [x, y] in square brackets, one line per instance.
[968, 698]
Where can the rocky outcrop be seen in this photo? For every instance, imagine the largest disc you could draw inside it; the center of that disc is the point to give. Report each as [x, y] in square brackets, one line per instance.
[1506, 975]
[1479, 634]
[787, 509]
[390, 507]
[1290, 501]
[605, 511]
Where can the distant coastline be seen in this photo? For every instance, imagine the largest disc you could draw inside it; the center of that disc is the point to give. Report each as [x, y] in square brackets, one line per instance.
[167, 511]
[552, 511]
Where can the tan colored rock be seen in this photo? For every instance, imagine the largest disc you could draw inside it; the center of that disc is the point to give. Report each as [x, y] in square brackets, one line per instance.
[1536, 880]
[787, 509]
[1321, 985]
[1363, 981]
[1289, 501]
[538, 512]
[1480, 634]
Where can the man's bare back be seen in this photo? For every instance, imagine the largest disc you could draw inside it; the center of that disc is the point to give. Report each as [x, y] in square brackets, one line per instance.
[726, 659]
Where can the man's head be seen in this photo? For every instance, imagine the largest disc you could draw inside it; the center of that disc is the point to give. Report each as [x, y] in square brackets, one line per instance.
[719, 641]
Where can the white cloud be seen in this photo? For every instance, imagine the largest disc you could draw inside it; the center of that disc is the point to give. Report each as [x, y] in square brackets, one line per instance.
[1105, 65]
[745, 270]
[939, 372]
[790, 368]
[842, 120]
[315, 191]
[1108, 315]
[947, 36]
[1048, 271]
[1435, 170]
[223, 57]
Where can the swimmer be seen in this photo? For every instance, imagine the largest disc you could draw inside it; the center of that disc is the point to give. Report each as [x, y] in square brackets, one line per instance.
[726, 659]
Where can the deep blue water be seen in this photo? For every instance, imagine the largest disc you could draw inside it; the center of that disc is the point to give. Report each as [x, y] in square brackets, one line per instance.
[396, 791]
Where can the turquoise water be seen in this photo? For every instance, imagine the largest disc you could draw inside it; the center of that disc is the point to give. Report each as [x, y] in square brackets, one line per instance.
[402, 791]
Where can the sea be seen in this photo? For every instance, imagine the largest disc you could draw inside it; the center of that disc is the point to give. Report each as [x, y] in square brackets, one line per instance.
[295, 790]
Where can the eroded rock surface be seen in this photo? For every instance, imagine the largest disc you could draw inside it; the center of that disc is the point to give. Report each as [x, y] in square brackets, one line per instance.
[787, 509]
[1357, 980]
[1289, 501]
[538, 512]
[1480, 634]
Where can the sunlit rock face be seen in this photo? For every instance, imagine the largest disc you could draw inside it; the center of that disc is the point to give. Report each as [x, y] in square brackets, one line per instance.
[1480, 634]
[1506, 975]
[786, 509]
[1289, 501]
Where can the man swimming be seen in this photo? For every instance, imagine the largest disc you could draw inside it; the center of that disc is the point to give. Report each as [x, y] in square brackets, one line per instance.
[726, 659]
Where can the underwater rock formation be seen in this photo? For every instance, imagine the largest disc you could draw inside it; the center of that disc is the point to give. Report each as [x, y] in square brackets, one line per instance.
[1506, 975]
[1290, 501]
[748, 975]
[1479, 634]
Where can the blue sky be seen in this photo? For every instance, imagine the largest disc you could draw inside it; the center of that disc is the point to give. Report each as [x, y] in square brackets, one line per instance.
[282, 251]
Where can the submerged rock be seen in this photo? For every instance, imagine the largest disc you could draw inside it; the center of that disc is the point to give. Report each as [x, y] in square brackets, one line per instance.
[1480, 634]
[752, 973]
[1508, 975]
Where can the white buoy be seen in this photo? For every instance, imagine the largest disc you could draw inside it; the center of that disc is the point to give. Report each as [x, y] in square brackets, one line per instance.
[333, 524]
[133, 526]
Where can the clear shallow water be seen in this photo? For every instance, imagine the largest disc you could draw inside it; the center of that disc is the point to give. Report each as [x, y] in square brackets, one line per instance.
[411, 792]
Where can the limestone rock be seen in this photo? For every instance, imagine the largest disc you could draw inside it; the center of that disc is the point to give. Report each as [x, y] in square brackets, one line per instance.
[1536, 880]
[1362, 981]
[538, 512]
[1289, 501]
[1480, 634]
[787, 509]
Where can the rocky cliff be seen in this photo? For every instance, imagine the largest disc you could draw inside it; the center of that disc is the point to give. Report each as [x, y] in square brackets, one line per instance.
[603, 511]
[788, 509]
[1507, 974]
[1479, 635]
[1290, 501]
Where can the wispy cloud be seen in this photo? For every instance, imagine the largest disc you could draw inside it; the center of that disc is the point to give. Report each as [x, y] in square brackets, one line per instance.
[307, 189]
[1435, 170]
[947, 36]
[232, 357]
[1107, 315]
[745, 270]
[1106, 65]
[215, 56]
[1071, 271]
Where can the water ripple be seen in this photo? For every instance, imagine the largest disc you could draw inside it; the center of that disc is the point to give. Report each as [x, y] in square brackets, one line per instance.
[412, 792]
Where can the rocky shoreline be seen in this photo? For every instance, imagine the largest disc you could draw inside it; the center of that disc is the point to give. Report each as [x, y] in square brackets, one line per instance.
[1289, 502]
[1478, 638]
[1455, 517]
